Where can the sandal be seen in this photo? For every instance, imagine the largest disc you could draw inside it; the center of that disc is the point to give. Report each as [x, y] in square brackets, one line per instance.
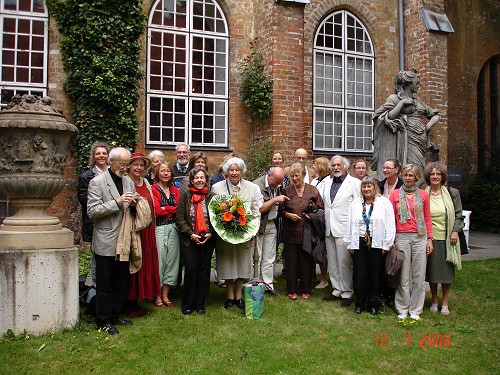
[445, 310]
[434, 308]
[159, 304]
[306, 295]
[168, 303]
[293, 296]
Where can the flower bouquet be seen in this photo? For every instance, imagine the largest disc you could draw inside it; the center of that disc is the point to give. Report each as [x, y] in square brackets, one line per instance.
[231, 220]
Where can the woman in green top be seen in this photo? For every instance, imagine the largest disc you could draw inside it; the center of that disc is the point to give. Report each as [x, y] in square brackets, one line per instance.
[447, 221]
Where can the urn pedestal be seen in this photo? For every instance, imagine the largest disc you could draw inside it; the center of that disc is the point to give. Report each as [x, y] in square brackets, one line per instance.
[38, 260]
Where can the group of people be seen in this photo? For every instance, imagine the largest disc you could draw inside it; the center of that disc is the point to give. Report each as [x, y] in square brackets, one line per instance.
[157, 215]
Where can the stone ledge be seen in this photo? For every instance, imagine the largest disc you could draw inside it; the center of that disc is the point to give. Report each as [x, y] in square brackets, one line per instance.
[55, 239]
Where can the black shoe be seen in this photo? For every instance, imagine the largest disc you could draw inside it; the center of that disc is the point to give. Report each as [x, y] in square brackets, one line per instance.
[240, 303]
[373, 311]
[331, 297]
[229, 303]
[187, 311]
[344, 302]
[272, 292]
[109, 329]
[202, 311]
[122, 322]
[358, 310]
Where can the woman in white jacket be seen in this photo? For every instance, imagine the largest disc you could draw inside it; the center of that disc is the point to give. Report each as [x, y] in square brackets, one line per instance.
[369, 235]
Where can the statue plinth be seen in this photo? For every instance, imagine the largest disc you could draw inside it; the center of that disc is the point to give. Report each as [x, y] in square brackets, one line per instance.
[38, 260]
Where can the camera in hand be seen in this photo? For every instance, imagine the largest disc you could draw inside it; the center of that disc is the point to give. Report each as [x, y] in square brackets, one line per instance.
[202, 237]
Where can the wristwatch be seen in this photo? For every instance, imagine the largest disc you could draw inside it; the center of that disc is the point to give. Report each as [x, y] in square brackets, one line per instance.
[430, 238]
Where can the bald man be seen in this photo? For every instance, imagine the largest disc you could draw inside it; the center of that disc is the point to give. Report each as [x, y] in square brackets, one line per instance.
[270, 187]
[300, 156]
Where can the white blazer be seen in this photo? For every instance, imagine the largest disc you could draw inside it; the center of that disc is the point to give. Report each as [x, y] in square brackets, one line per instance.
[336, 212]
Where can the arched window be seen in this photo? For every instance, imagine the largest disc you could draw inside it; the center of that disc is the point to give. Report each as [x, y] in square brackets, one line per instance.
[187, 74]
[343, 85]
[24, 45]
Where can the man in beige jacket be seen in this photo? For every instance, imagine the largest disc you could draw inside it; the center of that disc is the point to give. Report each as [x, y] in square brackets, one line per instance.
[109, 195]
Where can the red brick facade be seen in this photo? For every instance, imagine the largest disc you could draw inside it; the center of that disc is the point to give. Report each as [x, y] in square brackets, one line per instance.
[449, 65]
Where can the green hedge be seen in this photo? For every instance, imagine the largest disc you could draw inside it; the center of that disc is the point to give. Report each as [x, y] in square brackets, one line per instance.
[483, 199]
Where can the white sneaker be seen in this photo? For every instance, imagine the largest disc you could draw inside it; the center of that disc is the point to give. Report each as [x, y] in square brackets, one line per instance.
[414, 317]
[434, 308]
[445, 310]
[402, 316]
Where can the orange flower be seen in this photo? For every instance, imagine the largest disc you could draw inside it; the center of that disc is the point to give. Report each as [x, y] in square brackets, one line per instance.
[233, 202]
[243, 221]
[240, 210]
[227, 216]
[223, 206]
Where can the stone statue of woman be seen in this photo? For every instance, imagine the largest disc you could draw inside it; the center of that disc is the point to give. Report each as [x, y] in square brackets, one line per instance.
[399, 131]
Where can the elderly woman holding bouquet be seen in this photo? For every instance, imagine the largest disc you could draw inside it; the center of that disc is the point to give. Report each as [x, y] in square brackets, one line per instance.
[298, 261]
[197, 240]
[447, 221]
[235, 227]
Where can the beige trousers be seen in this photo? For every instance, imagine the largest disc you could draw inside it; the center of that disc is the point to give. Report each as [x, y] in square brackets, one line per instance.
[410, 293]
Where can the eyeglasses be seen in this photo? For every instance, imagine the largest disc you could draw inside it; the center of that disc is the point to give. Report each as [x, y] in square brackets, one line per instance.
[362, 168]
[384, 168]
[121, 163]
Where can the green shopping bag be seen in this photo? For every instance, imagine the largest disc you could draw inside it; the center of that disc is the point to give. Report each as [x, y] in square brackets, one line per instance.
[253, 295]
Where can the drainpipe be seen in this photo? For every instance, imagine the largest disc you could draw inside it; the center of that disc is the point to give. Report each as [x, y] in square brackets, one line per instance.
[401, 35]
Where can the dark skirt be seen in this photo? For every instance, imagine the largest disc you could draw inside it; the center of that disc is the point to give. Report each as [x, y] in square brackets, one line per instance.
[438, 270]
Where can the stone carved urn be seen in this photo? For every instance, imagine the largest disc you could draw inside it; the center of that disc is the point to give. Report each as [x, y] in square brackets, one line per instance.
[34, 145]
[38, 259]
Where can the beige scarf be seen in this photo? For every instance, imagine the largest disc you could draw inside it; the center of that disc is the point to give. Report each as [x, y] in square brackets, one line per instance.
[452, 251]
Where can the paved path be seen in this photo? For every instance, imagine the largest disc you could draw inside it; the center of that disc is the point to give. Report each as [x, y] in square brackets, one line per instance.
[483, 245]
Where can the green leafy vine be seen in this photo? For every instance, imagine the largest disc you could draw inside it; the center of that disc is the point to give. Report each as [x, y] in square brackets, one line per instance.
[256, 85]
[101, 49]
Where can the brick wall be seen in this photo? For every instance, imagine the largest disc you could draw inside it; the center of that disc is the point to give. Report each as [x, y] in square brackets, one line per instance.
[475, 41]
[426, 51]
[449, 65]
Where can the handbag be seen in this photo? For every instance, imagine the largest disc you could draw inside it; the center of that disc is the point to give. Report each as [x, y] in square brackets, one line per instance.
[464, 249]
[393, 261]
[253, 295]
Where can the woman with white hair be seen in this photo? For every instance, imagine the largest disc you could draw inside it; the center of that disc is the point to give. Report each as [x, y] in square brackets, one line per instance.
[234, 262]
[156, 157]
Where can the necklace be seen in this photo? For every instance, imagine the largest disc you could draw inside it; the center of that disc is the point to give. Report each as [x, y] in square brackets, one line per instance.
[366, 219]
[166, 190]
[299, 191]
[435, 193]
[139, 183]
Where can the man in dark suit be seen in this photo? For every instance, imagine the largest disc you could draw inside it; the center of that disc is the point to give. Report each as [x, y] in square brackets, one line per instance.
[270, 188]
[180, 168]
[391, 179]
[109, 195]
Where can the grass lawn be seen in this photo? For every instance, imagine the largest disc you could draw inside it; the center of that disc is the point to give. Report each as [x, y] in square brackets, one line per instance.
[292, 337]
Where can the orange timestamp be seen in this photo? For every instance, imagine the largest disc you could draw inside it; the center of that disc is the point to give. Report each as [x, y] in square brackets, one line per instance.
[426, 340]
